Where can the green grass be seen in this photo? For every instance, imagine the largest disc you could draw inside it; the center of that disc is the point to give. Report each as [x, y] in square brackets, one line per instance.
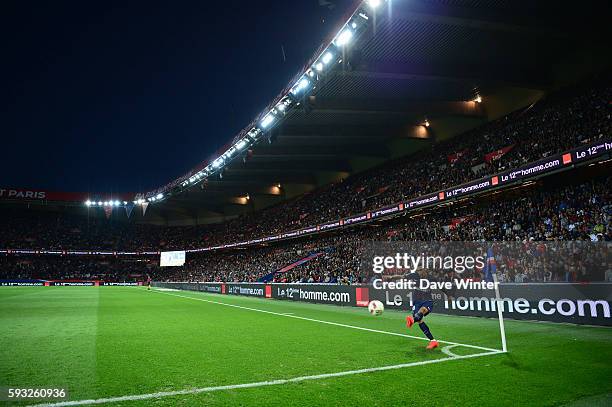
[115, 341]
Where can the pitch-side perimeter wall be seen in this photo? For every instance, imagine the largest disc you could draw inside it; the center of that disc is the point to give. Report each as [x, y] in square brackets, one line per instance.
[74, 283]
[557, 302]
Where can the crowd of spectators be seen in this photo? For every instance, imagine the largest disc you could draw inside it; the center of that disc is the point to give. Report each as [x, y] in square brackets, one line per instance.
[574, 213]
[109, 269]
[569, 214]
[26, 229]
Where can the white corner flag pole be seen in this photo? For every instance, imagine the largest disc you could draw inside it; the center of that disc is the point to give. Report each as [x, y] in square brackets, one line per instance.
[500, 315]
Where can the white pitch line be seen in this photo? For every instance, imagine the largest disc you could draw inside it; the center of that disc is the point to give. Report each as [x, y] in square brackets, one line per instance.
[161, 394]
[447, 350]
[327, 322]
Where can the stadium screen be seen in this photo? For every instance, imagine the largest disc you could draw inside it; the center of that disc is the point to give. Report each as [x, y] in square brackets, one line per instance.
[172, 259]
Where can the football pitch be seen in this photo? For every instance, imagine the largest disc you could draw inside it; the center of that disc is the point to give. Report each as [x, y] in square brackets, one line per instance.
[132, 347]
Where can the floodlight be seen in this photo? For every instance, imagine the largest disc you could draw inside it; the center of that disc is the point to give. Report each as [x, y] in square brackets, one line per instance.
[88, 202]
[344, 37]
[218, 162]
[301, 85]
[241, 144]
[373, 3]
[268, 120]
[327, 57]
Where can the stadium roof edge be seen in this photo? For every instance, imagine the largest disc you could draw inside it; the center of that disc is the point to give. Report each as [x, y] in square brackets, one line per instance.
[308, 66]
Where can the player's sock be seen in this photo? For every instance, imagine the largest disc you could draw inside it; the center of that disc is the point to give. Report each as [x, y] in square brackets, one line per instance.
[425, 330]
[418, 316]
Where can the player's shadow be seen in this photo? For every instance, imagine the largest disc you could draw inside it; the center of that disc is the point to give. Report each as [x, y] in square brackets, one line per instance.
[421, 351]
[512, 362]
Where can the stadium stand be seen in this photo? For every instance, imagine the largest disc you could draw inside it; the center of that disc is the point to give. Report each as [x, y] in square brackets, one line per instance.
[576, 212]
[573, 213]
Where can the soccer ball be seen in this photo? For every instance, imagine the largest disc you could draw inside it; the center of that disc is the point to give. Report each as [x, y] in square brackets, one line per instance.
[376, 307]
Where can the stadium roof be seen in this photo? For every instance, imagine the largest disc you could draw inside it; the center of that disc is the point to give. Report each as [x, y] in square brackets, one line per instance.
[409, 62]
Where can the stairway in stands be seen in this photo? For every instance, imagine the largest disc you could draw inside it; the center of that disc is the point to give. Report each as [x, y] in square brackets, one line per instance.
[270, 276]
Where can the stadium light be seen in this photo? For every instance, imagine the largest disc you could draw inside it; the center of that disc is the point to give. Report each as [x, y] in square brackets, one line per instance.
[218, 162]
[241, 144]
[426, 124]
[117, 203]
[88, 202]
[478, 99]
[301, 85]
[99, 203]
[159, 196]
[304, 83]
[327, 57]
[283, 104]
[309, 79]
[268, 120]
[344, 37]
[254, 133]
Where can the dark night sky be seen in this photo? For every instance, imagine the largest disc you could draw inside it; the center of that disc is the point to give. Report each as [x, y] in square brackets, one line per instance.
[126, 96]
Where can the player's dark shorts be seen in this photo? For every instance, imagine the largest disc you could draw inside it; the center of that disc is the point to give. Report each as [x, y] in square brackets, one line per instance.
[420, 304]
